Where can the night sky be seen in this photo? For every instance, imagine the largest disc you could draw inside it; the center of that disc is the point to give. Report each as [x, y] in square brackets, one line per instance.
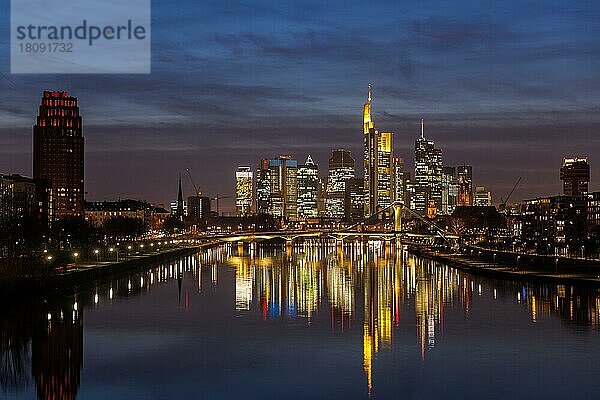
[509, 87]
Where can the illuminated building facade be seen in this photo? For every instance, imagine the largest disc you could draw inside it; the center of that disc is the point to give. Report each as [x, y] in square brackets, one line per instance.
[263, 187]
[370, 157]
[322, 196]
[385, 169]
[449, 190]
[283, 187]
[483, 198]
[378, 163]
[6, 196]
[198, 207]
[575, 174]
[25, 201]
[465, 185]
[174, 206]
[308, 189]
[400, 180]
[97, 213]
[341, 169]
[428, 174]
[243, 191]
[555, 224]
[58, 151]
[354, 202]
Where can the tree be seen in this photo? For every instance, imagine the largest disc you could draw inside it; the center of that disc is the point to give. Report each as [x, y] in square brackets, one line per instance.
[124, 227]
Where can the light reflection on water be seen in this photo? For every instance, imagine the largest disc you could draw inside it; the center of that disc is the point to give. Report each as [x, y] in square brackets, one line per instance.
[359, 315]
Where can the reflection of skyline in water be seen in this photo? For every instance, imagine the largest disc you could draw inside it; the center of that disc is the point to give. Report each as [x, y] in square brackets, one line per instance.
[369, 289]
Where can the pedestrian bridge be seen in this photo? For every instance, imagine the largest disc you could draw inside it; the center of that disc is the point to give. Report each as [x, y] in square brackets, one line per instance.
[353, 232]
[327, 234]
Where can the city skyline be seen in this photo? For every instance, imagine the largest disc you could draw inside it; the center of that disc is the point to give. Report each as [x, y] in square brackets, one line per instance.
[491, 92]
[229, 205]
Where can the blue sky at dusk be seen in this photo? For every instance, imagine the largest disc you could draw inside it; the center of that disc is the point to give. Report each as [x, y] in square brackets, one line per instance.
[507, 86]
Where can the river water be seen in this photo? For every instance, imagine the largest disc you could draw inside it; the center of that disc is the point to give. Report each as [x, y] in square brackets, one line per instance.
[312, 322]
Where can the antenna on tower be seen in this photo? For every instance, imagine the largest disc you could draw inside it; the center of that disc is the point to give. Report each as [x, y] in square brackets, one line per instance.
[422, 128]
[369, 96]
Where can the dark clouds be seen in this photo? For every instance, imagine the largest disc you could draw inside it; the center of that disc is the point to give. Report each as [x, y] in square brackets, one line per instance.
[509, 87]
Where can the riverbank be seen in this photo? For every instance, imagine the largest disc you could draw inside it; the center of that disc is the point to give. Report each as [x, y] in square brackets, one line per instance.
[86, 274]
[567, 273]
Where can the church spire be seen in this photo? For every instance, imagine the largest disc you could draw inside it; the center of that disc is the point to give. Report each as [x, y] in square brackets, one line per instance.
[180, 211]
[180, 194]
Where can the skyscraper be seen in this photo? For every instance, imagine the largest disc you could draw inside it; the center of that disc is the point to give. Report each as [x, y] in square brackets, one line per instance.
[428, 174]
[354, 201]
[283, 187]
[378, 163]
[198, 207]
[449, 190]
[341, 169]
[263, 187]
[308, 188]
[483, 197]
[465, 185]
[385, 165]
[58, 151]
[243, 191]
[575, 174]
[370, 157]
[400, 180]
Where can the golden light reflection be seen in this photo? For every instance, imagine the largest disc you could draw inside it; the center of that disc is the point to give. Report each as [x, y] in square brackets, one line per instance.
[378, 284]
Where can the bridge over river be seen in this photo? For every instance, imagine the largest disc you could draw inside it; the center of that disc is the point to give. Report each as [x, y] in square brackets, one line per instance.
[356, 231]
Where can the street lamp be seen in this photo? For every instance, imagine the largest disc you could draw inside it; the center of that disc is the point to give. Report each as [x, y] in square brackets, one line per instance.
[97, 253]
[75, 255]
[112, 250]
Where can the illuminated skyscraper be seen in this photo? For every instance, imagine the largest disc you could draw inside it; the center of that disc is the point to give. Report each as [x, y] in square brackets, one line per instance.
[428, 174]
[378, 163]
[283, 187]
[263, 187]
[385, 169]
[483, 197]
[370, 157]
[198, 207]
[308, 188]
[243, 191]
[341, 169]
[449, 190]
[400, 180]
[355, 199]
[58, 151]
[322, 195]
[465, 185]
[575, 174]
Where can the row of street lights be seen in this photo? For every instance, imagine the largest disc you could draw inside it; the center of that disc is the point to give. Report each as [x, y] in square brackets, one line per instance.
[113, 249]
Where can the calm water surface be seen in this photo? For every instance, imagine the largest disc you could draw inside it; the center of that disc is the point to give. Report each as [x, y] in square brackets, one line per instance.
[315, 322]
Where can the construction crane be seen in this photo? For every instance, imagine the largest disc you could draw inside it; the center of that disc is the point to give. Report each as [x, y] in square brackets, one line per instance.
[198, 193]
[217, 198]
[503, 202]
